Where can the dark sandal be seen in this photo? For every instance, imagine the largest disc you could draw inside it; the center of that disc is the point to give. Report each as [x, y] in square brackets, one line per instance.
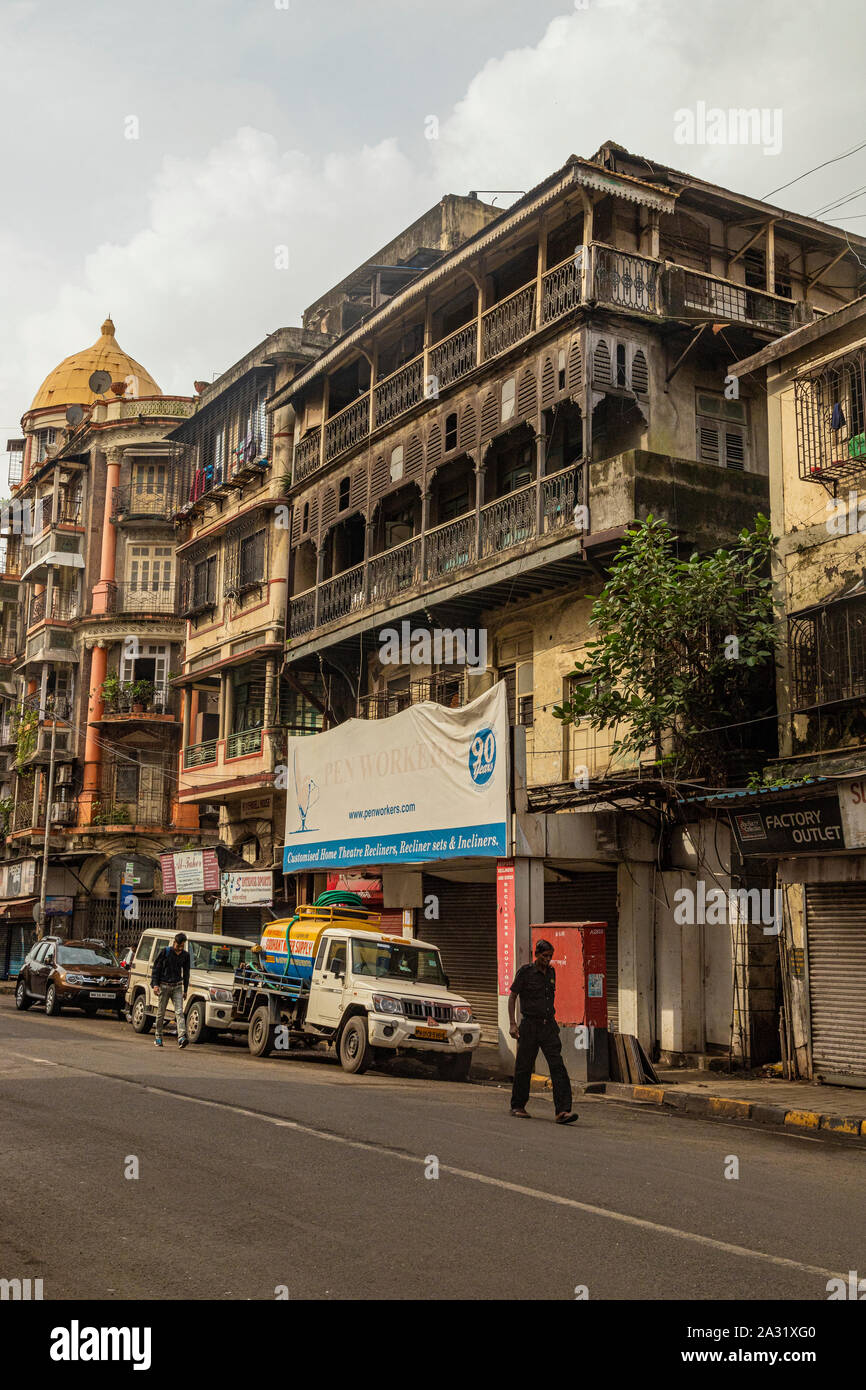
[567, 1119]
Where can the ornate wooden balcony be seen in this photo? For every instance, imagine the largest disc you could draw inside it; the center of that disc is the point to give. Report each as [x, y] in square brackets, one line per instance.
[307, 455]
[398, 392]
[508, 322]
[450, 549]
[346, 429]
[455, 356]
[624, 279]
[561, 288]
[395, 571]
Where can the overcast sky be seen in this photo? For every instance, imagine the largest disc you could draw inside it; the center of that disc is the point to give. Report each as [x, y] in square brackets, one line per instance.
[303, 123]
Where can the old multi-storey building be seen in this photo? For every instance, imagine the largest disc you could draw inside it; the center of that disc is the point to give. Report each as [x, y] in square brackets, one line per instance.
[97, 640]
[229, 496]
[231, 479]
[810, 822]
[468, 456]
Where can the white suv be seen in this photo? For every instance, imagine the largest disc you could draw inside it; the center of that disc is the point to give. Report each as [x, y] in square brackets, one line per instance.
[208, 1003]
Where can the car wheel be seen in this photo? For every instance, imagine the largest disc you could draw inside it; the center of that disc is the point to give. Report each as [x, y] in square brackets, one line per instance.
[22, 1000]
[260, 1038]
[52, 1003]
[456, 1068]
[356, 1054]
[142, 1021]
[196, 1029]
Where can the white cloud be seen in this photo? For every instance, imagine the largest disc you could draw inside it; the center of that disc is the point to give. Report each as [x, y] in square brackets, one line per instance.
[196, 286]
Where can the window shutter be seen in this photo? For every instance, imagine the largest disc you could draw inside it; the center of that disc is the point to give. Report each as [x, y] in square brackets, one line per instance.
[709, 444]
[735, 449]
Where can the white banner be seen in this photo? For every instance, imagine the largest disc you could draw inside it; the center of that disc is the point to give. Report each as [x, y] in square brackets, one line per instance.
[247, 887]
[852, 801]
[427, 783]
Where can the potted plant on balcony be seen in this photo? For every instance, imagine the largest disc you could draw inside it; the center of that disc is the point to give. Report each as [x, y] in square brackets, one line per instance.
[142, 694]
[111, 688]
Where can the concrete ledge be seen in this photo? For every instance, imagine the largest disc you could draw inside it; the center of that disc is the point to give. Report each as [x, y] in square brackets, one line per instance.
[729, 1109]
[768, 1114]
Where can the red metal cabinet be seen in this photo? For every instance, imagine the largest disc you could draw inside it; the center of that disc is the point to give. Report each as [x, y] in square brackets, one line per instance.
[579, 962]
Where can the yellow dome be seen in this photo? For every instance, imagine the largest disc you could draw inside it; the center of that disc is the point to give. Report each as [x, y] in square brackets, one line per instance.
[68, 383]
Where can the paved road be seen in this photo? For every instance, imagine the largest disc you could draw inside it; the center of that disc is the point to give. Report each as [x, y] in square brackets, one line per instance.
[256, 1174]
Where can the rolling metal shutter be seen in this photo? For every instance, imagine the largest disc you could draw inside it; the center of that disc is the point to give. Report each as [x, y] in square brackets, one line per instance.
[591, 898]
[466, 935]
[836, 943]
[245, 922]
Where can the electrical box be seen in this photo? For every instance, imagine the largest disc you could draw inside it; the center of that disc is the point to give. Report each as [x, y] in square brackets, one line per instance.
[579, 950]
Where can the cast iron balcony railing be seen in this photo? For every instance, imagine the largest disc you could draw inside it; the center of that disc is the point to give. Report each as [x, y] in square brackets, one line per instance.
[144, 596]
[509, 521]
[455, 356]
[561, 288]
[132, 501]
[346, 429]
[441, 688]
[302, 613]
[148, 808]
[625, 279]
[307, 455]
[830, 406]
[63, 608]
[242, 744]
[508, 322]
[200, 754]
[395, 571]
[450, 547]
[339, 596]
[398, 392]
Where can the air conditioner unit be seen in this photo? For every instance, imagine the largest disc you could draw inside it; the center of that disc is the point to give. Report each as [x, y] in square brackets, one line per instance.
[63, 775]
[62, 812]
[207, 808]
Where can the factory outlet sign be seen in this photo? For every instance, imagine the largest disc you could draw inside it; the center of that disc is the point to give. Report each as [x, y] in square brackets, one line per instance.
[427, 783]
[852, 800]
[811, 826]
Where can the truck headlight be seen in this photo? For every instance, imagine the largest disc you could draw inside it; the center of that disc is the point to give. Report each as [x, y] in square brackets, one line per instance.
[387, 1004]
[223, 995]
[462, 1013]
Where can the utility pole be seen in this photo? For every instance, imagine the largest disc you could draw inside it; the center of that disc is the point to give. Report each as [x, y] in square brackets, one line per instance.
[43, 887]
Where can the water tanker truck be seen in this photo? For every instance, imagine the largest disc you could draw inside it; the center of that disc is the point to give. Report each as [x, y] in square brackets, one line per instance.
[331, 974]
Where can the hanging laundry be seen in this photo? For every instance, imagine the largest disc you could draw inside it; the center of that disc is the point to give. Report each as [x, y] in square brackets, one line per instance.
[837, 419]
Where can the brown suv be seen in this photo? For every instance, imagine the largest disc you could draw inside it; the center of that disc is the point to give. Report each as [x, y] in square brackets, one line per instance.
[81, 974]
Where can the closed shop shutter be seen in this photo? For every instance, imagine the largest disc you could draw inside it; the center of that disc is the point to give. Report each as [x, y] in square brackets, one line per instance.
[836, 943]
[245, 922]
[591, 898]
[152, 912]
[466, 935]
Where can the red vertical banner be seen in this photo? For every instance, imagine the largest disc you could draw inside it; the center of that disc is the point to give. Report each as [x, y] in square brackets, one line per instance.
[506, 923]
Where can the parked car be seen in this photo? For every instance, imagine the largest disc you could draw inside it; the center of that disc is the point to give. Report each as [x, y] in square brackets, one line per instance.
[61, 974]
[208, 1005]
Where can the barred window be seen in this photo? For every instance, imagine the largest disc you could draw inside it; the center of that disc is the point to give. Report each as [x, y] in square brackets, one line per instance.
[253, 558]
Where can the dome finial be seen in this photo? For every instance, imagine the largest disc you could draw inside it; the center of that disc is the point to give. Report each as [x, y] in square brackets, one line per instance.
[108, 329]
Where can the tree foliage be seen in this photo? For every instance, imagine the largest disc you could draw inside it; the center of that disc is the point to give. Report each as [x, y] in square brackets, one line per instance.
[682, 649]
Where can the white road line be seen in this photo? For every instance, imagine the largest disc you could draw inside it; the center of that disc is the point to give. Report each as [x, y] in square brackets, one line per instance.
[365, 1146]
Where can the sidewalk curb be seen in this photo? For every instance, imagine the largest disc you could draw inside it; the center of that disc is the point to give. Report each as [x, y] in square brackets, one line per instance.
[725, 1108]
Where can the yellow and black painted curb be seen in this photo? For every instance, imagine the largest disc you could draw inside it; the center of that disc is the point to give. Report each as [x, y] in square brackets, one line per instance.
[726, 1108]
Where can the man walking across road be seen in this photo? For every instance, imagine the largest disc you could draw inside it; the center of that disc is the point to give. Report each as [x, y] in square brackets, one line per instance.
[535, 986]
[170, 980]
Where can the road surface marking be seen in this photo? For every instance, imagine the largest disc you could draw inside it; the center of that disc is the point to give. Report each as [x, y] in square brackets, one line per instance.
[537, 1193]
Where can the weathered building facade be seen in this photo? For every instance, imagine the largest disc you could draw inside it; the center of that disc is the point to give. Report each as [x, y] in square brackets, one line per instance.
[811, 821]
[467, 457]
[91, 727]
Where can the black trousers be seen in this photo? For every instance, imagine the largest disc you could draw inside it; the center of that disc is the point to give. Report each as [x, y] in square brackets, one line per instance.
[541, 1033]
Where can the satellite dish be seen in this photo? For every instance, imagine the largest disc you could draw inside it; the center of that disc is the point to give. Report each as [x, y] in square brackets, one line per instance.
[74, 415]
[99, 382]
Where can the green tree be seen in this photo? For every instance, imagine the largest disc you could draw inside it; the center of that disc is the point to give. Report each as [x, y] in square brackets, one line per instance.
[681, 649]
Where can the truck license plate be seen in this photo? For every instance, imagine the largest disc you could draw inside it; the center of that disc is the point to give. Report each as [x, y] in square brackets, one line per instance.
[437, 1033]
[101, 994]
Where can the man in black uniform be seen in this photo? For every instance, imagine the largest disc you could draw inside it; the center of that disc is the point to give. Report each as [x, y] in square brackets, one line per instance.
[535, 986]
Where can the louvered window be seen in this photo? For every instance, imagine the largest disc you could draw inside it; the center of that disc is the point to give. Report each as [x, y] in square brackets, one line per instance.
[722, 432]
